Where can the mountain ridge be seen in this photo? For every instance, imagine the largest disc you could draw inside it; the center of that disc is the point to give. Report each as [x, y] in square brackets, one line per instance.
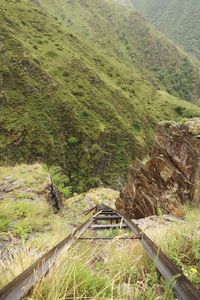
[178, 20]
[132, 41]
[66, 103]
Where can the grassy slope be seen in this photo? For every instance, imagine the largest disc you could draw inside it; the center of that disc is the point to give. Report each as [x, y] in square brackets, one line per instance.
[28, 228]
[126, 36]
[67, 103]
[178, 20]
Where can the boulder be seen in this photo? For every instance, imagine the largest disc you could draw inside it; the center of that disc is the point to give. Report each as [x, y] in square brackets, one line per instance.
[170, 178]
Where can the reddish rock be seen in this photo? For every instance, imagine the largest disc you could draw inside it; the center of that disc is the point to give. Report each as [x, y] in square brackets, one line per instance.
[170, 178]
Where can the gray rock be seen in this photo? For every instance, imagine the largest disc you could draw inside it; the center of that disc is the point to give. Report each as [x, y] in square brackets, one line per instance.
[9, 186]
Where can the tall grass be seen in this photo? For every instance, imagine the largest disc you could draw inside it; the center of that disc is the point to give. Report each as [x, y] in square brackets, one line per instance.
[106, 269]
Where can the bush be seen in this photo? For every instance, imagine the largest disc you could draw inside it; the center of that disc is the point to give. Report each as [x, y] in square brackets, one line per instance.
[84, 114]
[3, 223]
[179, 110]
[66, 74]
[72, 140]
[61, 181]
[22, 229]
[77, 93]
[136, 126]
[51, 53]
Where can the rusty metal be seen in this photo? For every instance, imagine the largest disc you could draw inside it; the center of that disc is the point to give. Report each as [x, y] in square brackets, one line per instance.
[182, 287]
[23, 283]
[102, 217]
[109, 238]
[108, 212]
[108, 226]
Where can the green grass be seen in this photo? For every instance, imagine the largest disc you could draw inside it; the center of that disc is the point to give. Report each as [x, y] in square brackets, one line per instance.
[131, 41]
[179, 22]
[24, 211]
[111, 269]
[114, 269]
[79, 104]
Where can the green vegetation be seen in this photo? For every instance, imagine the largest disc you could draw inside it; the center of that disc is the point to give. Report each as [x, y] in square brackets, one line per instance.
[60, 180]
[129, 271]
[115, 269]
[83, 97]
[80, 272]
[28, 217]
[131, 41]
[180, 21]
[24, 211]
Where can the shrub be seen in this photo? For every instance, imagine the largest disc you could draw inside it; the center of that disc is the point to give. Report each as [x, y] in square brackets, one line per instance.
[3, 223]
[22, 229]
[77, 93]
[136, 126]
[66, 74]
[84, 114]
[179, 110]
[61, 181]
[72, 140]
[51, 54]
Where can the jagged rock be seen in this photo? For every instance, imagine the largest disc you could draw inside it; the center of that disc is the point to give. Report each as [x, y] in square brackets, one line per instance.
[170, 178]
[54, 197]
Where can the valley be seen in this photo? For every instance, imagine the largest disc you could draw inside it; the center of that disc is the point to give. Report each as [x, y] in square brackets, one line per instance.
[100, 105]
[86, 107]
[179, 23]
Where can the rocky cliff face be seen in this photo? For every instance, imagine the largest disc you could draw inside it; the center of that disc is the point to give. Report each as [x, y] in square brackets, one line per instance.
[170, 178]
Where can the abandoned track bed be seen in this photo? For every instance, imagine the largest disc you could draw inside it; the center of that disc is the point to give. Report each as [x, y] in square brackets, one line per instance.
[20, 286]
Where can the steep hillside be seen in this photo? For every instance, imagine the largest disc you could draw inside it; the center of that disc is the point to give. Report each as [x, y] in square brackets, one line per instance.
[65, 102]
[179, 20]
[124, 35]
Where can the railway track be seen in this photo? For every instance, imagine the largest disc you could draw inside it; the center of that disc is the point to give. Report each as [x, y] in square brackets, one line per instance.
[20, 286]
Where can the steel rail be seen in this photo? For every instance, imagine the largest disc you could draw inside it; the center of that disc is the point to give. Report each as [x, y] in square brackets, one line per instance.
[108, 238]
[23, 283]
[182, 287]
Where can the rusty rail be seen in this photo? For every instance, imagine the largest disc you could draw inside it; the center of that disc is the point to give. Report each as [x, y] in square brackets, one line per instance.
[182, 287]
[23, 283]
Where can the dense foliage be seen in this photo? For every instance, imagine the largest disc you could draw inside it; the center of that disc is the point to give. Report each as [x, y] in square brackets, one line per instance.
[77, 93]
[179, 20]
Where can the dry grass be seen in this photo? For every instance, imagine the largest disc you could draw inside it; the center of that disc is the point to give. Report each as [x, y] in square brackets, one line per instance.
[179, 211]
[113, 269]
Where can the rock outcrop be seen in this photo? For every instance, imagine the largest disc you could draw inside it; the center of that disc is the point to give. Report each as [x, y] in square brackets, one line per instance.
[170, 178]
[54, 197]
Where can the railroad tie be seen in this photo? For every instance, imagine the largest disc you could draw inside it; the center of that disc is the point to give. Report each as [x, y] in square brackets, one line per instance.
[24, 282]
[107, 226]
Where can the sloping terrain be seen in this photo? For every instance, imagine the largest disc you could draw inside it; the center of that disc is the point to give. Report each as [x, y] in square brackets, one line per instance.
[170, 177]
[179, 20]
[68, 103]
[125, 35]
[111, 269]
